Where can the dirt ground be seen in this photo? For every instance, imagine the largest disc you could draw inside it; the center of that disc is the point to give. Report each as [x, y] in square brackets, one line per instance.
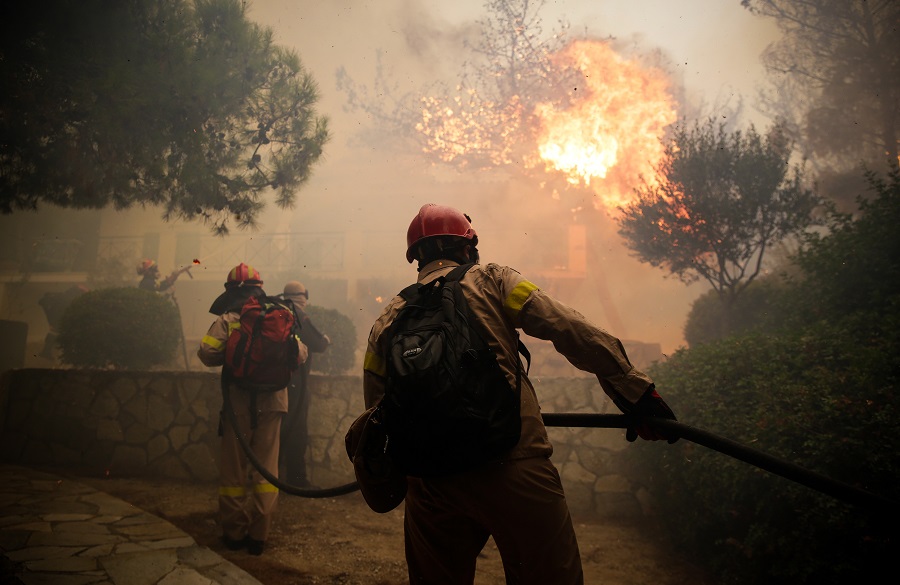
[340, 541]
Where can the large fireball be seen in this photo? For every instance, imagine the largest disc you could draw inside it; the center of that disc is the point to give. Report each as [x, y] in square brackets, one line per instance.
[608, 136]
[600, 131]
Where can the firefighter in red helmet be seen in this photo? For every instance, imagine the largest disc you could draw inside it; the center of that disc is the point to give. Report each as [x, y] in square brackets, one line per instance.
[245, 511]
[437, 227]
[149, 271]
[516, 498]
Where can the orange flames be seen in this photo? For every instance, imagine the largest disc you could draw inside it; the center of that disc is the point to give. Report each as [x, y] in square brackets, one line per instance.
[609, 135]
[602, 133]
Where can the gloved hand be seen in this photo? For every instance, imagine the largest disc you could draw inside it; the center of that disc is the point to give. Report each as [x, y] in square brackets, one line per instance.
[650, 404]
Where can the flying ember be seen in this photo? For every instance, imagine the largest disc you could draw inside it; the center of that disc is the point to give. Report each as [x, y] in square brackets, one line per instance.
[608, 135]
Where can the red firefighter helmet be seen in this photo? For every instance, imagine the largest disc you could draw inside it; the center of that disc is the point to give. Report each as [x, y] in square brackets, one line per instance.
[243, 274]
[145, 266]
[437, 220]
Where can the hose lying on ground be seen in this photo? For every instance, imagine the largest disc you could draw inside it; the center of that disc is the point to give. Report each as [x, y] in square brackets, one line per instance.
[811, 479]
[270, 477]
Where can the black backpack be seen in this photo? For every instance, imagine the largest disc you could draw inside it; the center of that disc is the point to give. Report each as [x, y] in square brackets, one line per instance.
[447, 404]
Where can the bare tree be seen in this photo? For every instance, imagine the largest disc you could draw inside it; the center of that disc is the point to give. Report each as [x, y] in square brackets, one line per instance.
[482, 121]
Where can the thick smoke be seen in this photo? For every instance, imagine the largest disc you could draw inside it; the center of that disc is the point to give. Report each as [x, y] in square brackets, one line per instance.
[369, 190]
[368, 185]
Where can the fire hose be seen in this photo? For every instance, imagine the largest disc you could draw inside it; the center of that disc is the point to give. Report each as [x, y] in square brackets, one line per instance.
[270, 477]
[811, 479]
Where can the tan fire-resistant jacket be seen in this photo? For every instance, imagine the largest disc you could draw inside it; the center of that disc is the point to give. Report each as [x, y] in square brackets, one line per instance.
[212, 353]
[502, 300]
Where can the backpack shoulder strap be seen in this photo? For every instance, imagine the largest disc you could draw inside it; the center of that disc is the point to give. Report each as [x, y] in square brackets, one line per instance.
[525, 353]
[457, 273]
[410, 292]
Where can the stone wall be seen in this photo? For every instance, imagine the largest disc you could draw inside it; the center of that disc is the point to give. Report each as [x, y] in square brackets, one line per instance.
[166, 423]
[107, 422]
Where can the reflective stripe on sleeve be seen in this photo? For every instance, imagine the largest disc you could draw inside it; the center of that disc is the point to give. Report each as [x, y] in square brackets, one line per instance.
[232, 491]
[516, 299]
[374, 364]
[234, 325]
[265, 488]
[213, 342]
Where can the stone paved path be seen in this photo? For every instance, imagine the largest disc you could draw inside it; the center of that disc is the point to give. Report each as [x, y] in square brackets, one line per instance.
[60, 532]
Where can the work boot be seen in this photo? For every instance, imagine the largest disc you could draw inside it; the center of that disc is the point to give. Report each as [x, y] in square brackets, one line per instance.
[255, 547]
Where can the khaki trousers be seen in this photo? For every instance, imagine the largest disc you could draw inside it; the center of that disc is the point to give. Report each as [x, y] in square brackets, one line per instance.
[520, 503]
[247, 501]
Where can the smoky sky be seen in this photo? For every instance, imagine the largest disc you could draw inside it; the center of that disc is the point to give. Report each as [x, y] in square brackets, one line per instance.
[713, 48]
[371, 188]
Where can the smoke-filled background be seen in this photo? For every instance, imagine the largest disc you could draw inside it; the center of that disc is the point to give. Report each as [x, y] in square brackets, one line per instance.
[637, 69]
[575, 133]
[711, 50]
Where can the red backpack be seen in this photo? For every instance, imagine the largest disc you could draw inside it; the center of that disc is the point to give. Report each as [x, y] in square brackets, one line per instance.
[262, 353]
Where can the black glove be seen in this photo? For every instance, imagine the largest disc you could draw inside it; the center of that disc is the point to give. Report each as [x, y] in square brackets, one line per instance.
[650, 404]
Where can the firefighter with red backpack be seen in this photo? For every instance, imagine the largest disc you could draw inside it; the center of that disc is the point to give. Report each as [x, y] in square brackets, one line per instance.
[254, 339]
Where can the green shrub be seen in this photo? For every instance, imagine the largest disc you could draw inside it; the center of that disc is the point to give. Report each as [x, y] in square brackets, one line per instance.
[340, 355]
[819, 392]
[856, 266]
[123, 328]
[812, 399]
[757, 307]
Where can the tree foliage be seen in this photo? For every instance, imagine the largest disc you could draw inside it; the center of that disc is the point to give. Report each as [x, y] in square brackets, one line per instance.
[856, 266]
[721, 201]
[817, 388]
[758, 307]
[181, 104]
[341, 354]
[821, 398]
[836, 75]
[123, 328]
[577, 117]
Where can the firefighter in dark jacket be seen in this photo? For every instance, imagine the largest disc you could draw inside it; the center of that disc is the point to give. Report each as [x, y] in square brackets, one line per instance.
[518, 498]
[294, 430]
[245, 518]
